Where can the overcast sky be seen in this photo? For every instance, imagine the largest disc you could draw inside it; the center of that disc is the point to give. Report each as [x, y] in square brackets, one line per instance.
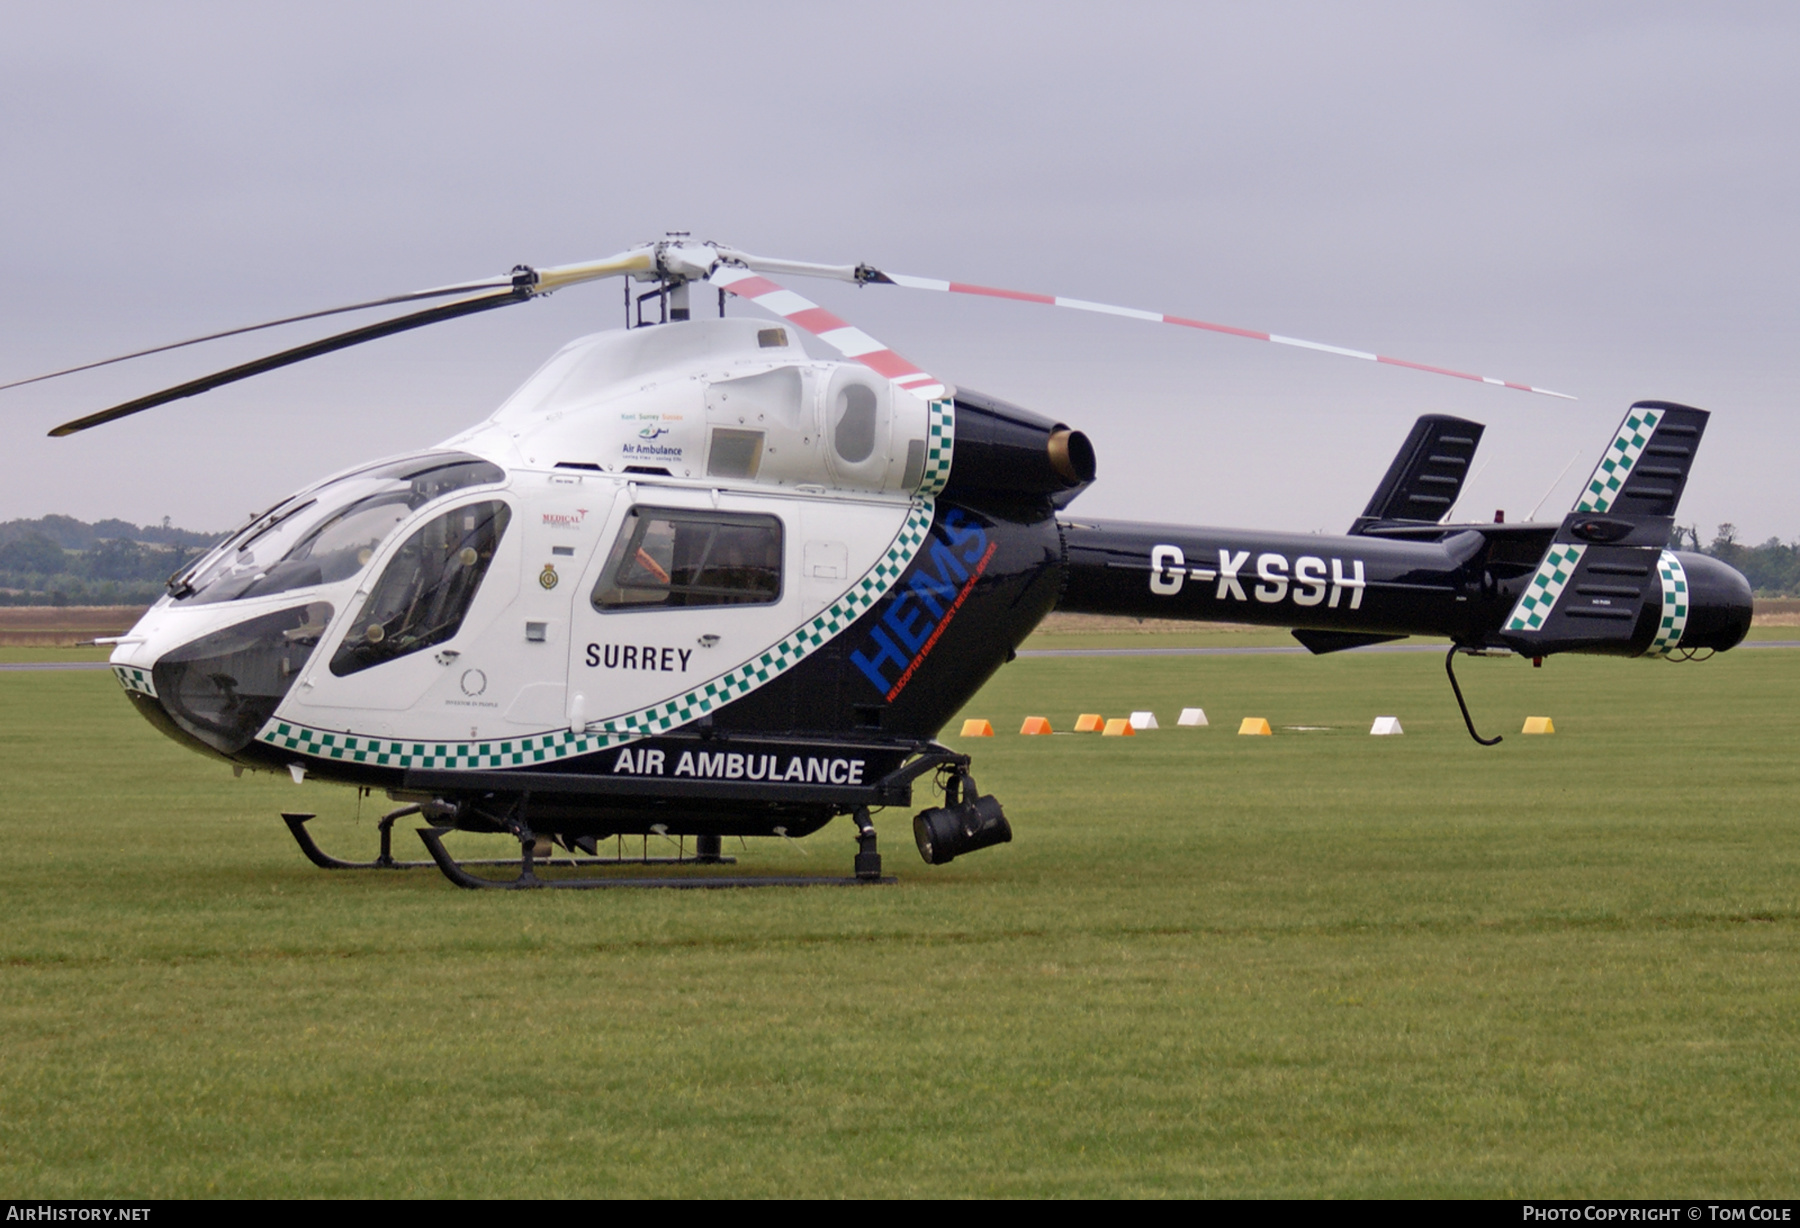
[1595, 198]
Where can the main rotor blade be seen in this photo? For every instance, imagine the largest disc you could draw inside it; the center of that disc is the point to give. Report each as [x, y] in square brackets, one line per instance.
[862, 274]
[537, 281]
[400, 324]
[840, 335]
[392, 300]
[959, 287]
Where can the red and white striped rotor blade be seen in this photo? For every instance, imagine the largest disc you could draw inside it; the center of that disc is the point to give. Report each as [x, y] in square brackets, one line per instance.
[1156, 317]
[840, 335]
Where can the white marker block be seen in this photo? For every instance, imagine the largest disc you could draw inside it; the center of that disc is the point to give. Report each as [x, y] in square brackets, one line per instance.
[1191, 716]
[1143, 720]
[1386, 725]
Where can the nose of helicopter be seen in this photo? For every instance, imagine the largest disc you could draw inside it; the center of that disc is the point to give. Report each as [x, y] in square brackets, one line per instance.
[219, 689]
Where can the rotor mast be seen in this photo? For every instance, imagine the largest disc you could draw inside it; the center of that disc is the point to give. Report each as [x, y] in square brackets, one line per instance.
[674, 262]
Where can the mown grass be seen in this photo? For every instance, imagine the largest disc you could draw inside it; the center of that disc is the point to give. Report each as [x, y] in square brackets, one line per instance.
[1314, 964]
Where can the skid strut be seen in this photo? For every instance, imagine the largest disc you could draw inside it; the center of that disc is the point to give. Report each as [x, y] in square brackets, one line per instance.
[296, 824]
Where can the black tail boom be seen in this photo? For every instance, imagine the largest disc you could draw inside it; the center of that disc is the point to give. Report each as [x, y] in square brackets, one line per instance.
[1344, 592]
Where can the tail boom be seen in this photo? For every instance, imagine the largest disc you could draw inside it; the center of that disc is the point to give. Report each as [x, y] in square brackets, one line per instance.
[1342, 592]
[1357, 585]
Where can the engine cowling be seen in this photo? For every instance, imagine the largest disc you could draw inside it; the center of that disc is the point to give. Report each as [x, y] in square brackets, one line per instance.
[1007, 451]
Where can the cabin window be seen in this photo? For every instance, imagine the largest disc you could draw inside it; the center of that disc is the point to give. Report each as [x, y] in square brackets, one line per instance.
[426, 589]
[667, 558]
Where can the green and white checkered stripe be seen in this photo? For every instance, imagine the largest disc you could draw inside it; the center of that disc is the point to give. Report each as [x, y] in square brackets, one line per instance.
[1617, 464]
[134, 679]
[1545, 587]
[381, 752]
[940, 445]
[1674, 606]
[658, 718]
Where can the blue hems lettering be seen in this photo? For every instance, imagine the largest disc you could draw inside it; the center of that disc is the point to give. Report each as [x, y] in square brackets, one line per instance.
[916, 610]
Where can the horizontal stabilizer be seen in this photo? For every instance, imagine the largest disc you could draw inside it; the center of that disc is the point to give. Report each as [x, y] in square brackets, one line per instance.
[1427, 475]
[1321, 642]
[1583, 597]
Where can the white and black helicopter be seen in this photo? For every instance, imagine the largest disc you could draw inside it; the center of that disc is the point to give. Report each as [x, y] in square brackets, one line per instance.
[689, 581]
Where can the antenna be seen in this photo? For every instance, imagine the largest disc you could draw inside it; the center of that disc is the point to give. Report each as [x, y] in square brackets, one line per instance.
[1555, 484]
[1445, 518]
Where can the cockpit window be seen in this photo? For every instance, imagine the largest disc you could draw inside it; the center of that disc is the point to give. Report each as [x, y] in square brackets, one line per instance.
[330, 532]
[426, 589]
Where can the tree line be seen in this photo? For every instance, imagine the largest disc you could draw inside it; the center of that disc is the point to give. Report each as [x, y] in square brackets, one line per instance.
[1772, 568]
[59, 560]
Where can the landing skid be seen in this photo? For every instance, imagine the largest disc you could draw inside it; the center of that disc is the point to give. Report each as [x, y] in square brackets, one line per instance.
[867, 865]
[706, 851]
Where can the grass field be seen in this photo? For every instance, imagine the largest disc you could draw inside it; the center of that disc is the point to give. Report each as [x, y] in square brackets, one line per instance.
[1314, 964]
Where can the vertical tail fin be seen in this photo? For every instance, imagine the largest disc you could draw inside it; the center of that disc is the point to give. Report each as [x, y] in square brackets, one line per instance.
[1427, 475]
[1643, 473]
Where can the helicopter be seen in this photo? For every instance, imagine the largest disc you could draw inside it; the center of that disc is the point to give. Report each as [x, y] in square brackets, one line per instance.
[690, 581]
